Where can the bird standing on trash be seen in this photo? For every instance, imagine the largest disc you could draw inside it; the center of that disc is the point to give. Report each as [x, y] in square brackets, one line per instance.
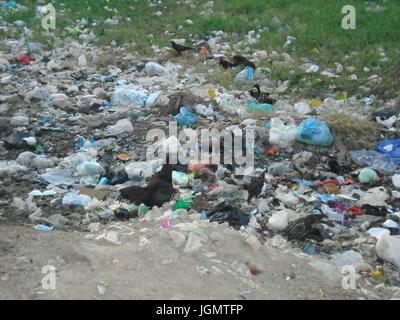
[225, 63]
[240, 60]
[156, 193]
[179, 48]
[303, 227]
[255, 186]
[260, 96]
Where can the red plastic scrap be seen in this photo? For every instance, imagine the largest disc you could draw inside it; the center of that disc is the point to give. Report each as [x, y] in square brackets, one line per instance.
[330, 181]
[272, 151]
[212, 186]
[253, 269]
[356, 211]
[348, 181]
[25, 60]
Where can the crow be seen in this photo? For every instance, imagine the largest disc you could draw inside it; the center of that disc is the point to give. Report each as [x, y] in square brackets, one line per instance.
[261, 97]
[225, 64]
[240, 60]
[303, 227]
[255, 186]
[179, 48]
[158, 191]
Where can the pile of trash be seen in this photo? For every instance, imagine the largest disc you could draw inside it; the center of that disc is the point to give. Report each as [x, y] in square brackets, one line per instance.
[75, 140]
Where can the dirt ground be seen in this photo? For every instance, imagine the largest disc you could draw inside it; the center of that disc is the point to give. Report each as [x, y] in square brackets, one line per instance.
[147, 265]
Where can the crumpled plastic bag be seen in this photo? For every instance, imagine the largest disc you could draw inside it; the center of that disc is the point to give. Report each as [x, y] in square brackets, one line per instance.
[391, 148]
[280, 134]
[185, 117]
[373, 159]
[314, 132]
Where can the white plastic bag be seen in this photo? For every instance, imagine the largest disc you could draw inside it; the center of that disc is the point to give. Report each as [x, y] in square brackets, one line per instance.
[282, 135]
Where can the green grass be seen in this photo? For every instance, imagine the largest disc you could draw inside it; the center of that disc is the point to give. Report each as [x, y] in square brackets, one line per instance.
[315, 23]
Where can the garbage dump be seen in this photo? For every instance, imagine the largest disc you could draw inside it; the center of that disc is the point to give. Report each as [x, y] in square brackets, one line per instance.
[121, 147]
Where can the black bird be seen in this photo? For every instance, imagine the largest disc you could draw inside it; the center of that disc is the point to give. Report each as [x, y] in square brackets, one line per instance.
[179, 48]
[260, 96]
[334, 166]
[255, 186]
[240, 60]
[156, 193]
[303, 227]
[225, 64]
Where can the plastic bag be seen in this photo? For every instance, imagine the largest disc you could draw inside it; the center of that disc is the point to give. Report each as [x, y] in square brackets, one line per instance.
[193, 244]
[373, 159]
[279, 220]
[138, 171]
[204, 111]
[58, 177]
[154, 69]
[388, 249]
[280, 134]
[76, 200]
[180, 178]
[390, 148]
[126, 95]
[185, 117]
[88, 169]
[314, 132]
[253, 106]
[367, 175]
[122, 126]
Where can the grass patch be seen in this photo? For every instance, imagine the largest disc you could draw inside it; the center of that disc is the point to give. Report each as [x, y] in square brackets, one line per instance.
[354, 132]
[315, 23]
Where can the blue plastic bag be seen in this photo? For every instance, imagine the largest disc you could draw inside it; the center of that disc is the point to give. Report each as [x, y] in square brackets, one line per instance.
[391, 148]
[373, 159]
[185, 118]
[253, 106]
[249, 73]
[41, 227]
[314, 132]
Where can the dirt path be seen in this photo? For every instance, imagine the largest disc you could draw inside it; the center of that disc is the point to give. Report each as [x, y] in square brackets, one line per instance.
[147, 265]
